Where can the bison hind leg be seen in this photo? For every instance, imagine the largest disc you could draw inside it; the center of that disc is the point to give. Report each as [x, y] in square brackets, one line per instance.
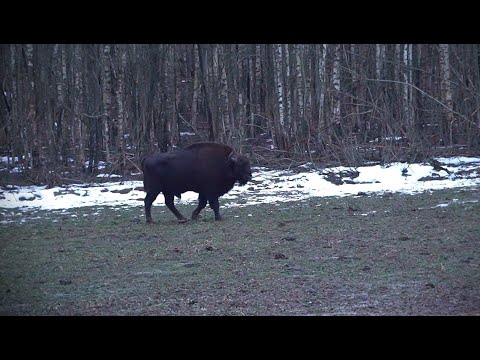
[215, 206]
[149, 199]
[171, 206]
[202, 202]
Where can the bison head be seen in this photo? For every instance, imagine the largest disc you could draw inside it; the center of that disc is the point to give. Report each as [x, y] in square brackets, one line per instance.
[241, 168]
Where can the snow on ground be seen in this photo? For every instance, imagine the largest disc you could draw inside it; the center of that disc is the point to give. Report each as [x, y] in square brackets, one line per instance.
[268, 186]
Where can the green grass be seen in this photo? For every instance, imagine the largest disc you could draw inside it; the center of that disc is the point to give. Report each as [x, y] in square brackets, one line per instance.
[320, 256]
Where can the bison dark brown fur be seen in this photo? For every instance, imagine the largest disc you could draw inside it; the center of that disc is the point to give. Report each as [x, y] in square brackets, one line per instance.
[209, 169]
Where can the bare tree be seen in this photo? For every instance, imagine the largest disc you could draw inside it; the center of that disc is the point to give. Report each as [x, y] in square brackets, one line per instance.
[78, 128]
[107, 100]
[446, 92]
[121, 111]
[64, 106]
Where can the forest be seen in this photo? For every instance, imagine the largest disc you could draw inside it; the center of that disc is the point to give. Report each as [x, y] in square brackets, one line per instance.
[67, 109]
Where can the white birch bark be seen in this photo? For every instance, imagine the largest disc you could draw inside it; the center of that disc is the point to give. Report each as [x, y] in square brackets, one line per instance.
[321, 76]
[78, 107]
[14, 107]
[446, 88]
[239, 111]
[286, 76]
[57, 55]
[252, 85]
[196, 84]
[224, 95]
[107, 101]
[300, 81]
[407, 79]
[336, 84]
[121, 119]
[31, 121]
[379, 59]
[445, 69]
[278, 83]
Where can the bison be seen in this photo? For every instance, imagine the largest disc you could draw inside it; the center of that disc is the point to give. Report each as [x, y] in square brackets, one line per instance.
[209, 169]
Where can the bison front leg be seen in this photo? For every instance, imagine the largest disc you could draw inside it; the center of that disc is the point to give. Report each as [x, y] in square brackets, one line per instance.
[169, 202]
[202, 202]
[215, 205]
[149, 199]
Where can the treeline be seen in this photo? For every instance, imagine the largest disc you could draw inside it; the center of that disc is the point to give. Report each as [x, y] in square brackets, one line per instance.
[74, 106]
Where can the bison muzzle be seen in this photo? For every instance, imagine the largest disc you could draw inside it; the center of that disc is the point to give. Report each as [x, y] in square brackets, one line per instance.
[209, 169]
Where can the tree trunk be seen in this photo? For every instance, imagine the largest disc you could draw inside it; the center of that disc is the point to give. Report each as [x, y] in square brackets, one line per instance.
[107, 101]
[320, 72]
[336, 85]
[195, 75]
[97, 102]
[446, 92]
[407, 89]
[379, 59]
[32, 143]
[120, 121]
[78, 137]
[281, 89]
[203, 80]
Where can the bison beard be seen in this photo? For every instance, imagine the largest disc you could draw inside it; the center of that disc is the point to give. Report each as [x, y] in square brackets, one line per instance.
[208, 169]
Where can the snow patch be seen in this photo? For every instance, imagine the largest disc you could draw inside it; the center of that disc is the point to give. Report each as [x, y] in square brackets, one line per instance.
[268, 186]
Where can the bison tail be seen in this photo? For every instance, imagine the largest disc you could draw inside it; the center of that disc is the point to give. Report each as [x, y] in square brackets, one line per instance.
[142, 166]
[145, 178]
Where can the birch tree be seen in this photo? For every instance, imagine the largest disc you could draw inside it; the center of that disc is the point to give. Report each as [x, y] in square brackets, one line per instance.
[407, 89]
[107, 100]
[77, 128]
[31, 142]
[336, 85]
[321, 51]
[203, 66]
[120, 97]
[279, 85]
[446, 91]
[101, 102]
[379, 59]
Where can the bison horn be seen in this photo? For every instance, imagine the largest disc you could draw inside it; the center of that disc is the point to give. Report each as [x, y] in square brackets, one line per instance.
[232, 157]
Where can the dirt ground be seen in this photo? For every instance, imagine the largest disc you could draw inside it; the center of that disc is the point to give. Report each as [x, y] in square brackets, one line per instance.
[389, 254]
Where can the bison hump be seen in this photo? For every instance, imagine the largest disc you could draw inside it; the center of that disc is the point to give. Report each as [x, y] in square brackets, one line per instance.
[210, 147]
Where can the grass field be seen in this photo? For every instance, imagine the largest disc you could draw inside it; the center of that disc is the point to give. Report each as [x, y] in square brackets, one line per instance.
[383, 255]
